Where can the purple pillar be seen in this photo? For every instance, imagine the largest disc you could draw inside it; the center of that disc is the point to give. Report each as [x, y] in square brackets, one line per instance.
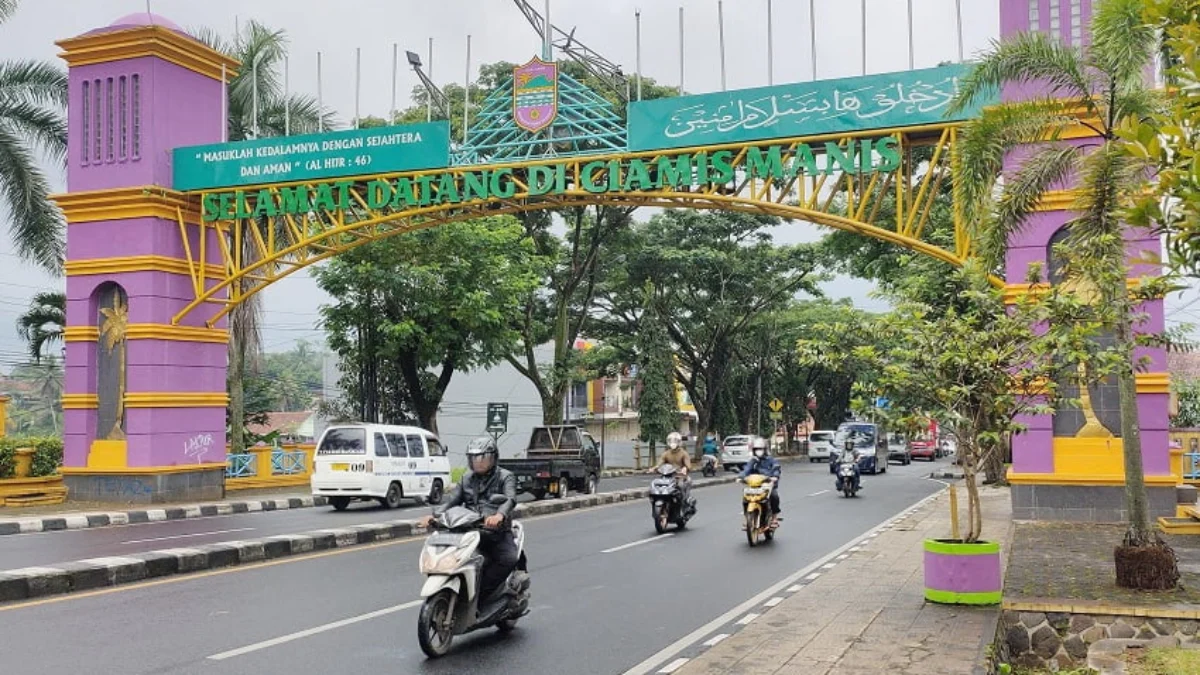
[1056, 475]
[145, 398]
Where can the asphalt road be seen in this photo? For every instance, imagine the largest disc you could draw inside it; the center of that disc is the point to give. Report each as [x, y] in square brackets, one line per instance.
[607, 595]
[47, 548]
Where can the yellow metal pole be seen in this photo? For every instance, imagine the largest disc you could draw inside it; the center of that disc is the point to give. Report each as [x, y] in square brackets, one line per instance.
[954, 513]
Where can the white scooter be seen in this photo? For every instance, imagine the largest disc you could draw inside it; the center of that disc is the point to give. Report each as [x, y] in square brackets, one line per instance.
[452, 564]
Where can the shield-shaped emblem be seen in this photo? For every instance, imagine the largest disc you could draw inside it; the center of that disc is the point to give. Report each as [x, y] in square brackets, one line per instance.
[535, 94]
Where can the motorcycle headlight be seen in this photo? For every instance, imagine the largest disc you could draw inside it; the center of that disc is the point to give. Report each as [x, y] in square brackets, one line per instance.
[448, 560]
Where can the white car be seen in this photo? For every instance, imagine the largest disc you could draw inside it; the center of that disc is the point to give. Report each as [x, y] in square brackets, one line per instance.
[735, 452]
[820, 445]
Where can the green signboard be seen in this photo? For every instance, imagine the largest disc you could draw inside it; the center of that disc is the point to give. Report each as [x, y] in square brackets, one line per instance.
[866, 103]
[313, 156]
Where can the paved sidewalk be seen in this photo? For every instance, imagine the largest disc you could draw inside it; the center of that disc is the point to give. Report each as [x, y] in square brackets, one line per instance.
[867, 614]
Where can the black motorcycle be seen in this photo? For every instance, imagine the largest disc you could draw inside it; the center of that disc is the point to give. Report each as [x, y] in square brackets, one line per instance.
[849, 479]
[666, 500]
[710, 466]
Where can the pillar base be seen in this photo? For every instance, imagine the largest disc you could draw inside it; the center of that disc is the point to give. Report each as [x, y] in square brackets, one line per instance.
[147, 485]
[1085, 502]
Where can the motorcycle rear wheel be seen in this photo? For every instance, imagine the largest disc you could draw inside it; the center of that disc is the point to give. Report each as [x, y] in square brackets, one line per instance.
[662, 517]
[752, 528]
[435, 642]
[507, 625]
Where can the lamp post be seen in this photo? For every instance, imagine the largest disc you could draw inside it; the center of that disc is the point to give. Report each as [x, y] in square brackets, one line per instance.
[603, 409]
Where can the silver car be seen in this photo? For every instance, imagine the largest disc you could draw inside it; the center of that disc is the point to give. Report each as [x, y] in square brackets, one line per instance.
[735, 452]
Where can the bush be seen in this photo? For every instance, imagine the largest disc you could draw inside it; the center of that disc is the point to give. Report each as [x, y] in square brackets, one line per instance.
[8, 457]
[47, 456]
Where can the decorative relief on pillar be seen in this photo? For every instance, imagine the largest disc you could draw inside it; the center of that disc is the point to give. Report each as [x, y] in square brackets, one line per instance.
[111, 361]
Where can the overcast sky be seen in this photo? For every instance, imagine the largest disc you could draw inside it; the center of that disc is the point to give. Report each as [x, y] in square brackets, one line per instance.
[499, 32]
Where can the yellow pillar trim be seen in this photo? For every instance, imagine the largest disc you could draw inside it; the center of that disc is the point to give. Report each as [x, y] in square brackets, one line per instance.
[1057, 200]
[145, 201]
[157, 41]
[1078, 479]
[80, 401]
[138, 263]
[152, 331]
[4, 400]
[166, 399]
[1153, 383]
[1014, 292]
[81, 334]
[140, 470]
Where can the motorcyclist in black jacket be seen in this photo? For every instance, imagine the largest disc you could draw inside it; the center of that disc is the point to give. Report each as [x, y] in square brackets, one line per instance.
[482, 481]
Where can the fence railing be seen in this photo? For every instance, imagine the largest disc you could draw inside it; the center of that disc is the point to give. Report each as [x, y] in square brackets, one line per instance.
[1191, 466]
[265, 467]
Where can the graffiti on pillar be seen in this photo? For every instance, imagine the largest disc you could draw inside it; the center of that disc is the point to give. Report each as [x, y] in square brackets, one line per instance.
[113, 324]
[198, 446]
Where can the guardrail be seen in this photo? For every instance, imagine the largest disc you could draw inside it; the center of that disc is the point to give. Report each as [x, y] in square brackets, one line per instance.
[269, 467]
[1191, 466]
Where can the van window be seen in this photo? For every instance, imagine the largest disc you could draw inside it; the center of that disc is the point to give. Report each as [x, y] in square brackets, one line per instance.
[344, 441]
[381, 448]
[416, 447]
[397, 445]
[435, 448]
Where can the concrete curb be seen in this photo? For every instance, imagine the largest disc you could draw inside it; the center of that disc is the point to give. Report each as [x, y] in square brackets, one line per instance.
[83, 575]
[83, 521]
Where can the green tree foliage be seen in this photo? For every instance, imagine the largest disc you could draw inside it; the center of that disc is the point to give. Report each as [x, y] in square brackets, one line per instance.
[1108, 81]
[42, 325]
[1188, 393]
[36, 408]
[33, 98]
[412, 310]
[658, 409]
[714, 274]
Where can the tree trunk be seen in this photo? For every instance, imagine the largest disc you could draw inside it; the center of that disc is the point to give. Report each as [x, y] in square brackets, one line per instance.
[970, 479]
[993, 467]
[237, 399]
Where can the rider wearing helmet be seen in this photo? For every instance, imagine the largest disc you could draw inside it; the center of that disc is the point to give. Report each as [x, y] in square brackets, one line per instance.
[677, 456]
[482, 481]
[763, 464]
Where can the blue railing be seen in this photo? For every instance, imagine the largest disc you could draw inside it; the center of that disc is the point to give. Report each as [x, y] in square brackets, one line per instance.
[1191, 465]
[284, 463]
[239, 465]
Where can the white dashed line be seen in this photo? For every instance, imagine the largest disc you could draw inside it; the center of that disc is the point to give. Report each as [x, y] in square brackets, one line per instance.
[793, 589]
[747, 619]
[842, 556]
[712, 642]
[812, 576]
[631, 544]
[674, 666]
[828, 566]
[818, 493]
[773, 601]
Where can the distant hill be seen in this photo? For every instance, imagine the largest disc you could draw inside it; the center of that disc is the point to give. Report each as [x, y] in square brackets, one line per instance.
[537, 83]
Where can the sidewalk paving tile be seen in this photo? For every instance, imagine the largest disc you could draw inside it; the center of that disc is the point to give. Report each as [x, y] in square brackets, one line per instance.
[841, 625]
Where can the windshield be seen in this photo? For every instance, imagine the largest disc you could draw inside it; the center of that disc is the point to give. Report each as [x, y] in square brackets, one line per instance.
[821, 436]
[344, 441]
[863, 435]
[737, 440]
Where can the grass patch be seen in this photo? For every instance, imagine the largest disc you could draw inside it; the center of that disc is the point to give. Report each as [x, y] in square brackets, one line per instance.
[456, 474]
[1164, 662]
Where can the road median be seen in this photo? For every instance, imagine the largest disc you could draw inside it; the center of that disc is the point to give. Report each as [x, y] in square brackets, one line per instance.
[95, 573]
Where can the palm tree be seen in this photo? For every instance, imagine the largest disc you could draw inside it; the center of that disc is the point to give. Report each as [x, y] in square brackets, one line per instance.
[1103, 87]
[42, 324]
[33, 96]
[261, 52]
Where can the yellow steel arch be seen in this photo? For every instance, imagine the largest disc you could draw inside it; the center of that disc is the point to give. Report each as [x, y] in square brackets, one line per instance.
[256, 253]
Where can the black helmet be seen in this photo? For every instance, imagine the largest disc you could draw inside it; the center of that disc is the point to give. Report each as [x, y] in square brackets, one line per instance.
[479, 448]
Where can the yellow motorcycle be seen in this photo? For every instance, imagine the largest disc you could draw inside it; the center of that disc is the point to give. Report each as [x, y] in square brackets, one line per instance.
[760, 521]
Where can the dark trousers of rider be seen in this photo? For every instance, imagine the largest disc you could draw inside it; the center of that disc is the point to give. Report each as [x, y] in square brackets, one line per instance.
[775, 500]
[501, 553]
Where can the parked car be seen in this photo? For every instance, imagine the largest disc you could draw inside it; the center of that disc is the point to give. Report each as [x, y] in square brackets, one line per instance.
[735, 452]
[820, 445]
[898, 449]
[924, 450]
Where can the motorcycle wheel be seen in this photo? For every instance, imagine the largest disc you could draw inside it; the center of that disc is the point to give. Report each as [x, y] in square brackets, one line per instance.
[751, 528]
[507, 625]
[435, 641]
[662, 516]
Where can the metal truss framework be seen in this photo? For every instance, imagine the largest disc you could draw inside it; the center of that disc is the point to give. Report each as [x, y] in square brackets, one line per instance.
[255, 254]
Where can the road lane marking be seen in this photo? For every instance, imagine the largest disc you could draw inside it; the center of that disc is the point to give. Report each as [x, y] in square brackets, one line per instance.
[843, 556]
[828, 566]
[284, 639]
[631, 544]
[712, 642]
[186, 536]
[747, 619]
[813, 576]
[818, 493]
[692, 638]
[793, 589]
[773, 601]
[673, 666]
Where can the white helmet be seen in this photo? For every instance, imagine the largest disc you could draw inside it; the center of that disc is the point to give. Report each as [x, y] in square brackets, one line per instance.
[674, 440]
[759, 447]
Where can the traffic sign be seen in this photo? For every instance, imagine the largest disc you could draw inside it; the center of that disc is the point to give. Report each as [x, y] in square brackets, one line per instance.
[777, 416]
[775, 405]
[497, 417]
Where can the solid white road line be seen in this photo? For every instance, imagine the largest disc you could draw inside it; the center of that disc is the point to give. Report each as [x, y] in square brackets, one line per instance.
[712, 642]
[283, 639]
[186, 536]
[747, 619]
[818, 493]
[631, 544]
[674, 666]
[692, 638]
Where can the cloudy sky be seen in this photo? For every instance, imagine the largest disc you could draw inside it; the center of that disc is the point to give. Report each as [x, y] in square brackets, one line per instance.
[499, 32]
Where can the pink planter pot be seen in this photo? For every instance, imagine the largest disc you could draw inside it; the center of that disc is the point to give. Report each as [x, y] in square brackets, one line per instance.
[962, 574]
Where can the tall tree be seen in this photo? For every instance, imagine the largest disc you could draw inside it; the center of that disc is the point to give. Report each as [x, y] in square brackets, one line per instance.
[441, 301]
[33, 98]
[42, 325]
[713, 274]
[658, 405]
[258, 107]
[1107, 82]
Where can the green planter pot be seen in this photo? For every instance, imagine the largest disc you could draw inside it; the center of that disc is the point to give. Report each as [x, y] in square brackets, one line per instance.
[962, 574]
